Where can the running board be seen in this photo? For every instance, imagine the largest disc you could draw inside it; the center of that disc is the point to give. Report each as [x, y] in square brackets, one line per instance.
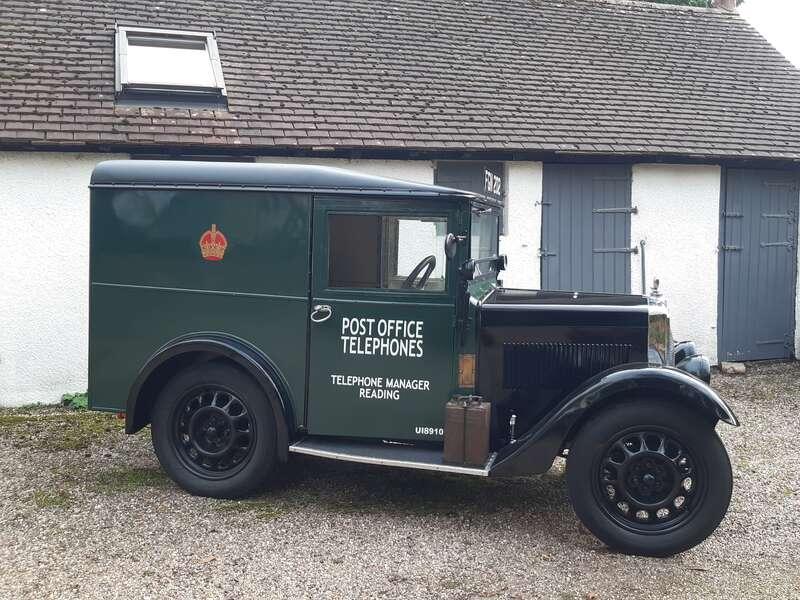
[390, 454]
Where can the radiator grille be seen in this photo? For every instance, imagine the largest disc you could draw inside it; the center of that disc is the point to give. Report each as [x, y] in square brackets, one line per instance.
[554, 364]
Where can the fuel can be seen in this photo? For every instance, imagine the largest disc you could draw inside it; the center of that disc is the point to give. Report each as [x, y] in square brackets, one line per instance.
[477, 421]
[454, 421]
[466, 431]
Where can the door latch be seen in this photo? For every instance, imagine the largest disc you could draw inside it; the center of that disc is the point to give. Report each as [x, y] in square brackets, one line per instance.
[321, 313]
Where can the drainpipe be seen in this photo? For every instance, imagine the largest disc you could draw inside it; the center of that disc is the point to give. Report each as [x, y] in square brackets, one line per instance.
[644, 278]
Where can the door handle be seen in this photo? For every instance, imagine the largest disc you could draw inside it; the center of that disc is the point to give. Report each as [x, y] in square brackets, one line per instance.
[321, 313]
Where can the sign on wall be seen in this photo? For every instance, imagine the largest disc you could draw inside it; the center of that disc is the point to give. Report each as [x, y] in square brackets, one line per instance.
[485, 178]
[493, 184]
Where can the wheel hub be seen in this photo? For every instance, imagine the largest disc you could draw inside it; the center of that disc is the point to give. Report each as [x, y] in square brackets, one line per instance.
[650, 479]
[213, 430]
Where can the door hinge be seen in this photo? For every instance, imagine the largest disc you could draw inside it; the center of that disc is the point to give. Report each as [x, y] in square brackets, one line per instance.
[732, 215]
[789, 245]
[787, 341]
[632, 210]
[791, 185]
[634, 250]
[731, 248]
[544, 253]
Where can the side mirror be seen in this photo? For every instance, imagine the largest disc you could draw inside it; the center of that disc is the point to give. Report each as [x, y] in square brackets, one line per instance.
[451, 242]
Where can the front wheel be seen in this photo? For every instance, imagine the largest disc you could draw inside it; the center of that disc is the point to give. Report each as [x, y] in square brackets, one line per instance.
[649, 477]
[214, 432]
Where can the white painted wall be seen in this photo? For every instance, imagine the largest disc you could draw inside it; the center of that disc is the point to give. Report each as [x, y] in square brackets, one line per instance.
[44, 274]
[523, 225]
[679, 220]
[419, 171]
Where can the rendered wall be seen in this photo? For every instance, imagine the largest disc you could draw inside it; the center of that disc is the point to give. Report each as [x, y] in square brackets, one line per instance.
[44, 273]
[679, 220]
[523, 225]
[419, 171]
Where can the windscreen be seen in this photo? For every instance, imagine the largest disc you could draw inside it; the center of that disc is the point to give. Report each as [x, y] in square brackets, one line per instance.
[485, 232]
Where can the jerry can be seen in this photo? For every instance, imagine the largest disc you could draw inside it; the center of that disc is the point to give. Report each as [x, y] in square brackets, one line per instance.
[466, 431]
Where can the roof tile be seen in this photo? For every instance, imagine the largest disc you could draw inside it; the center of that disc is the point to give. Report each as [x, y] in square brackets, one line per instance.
[525, 75]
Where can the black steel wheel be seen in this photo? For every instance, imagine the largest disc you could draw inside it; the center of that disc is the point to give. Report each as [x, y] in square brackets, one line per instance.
[214, 432]
[647, 481]
[649, 477]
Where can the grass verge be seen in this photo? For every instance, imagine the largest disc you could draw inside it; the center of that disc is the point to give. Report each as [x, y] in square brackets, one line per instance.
[50, 498]
[56, 429]
[118, 481]
[260, 507]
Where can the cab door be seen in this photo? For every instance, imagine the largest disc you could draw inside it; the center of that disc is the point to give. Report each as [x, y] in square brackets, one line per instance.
[382, 318]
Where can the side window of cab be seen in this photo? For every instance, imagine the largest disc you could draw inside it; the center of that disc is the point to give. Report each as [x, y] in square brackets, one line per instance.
[387, 252]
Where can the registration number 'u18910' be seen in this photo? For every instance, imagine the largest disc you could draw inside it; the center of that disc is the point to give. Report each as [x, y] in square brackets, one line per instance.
[429, 431]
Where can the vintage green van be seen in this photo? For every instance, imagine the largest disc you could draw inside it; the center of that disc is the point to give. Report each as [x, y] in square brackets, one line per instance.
[251, 311]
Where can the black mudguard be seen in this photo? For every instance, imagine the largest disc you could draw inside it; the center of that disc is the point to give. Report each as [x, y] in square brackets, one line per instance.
[535, 451]
[170, 357]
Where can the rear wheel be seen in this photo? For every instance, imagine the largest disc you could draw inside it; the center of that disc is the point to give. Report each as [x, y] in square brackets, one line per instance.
[213, 431]
[649, 477]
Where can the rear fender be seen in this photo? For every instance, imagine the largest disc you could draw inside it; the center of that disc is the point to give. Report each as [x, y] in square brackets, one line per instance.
[185, 350]
[535, 451]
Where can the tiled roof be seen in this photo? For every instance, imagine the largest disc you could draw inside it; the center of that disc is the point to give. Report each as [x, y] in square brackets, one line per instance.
[597, 76]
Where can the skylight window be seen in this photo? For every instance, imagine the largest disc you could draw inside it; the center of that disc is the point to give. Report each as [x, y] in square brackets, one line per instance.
[158, 63]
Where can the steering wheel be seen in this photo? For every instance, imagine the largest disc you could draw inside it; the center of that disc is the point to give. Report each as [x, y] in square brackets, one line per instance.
[429, 264]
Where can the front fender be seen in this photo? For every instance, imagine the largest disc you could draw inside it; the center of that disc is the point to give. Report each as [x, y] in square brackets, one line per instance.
[535, 451]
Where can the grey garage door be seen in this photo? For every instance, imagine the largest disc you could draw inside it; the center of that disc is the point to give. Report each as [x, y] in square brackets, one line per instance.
[759, 265]
[586, 228]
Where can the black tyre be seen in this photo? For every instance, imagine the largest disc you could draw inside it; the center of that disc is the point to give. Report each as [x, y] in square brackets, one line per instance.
[649, 477]
[214, 432]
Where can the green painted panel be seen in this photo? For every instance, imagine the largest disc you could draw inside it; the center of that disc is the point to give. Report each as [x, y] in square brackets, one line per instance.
[129, 324]
[151, 282]
[381, 370]
[152, 237]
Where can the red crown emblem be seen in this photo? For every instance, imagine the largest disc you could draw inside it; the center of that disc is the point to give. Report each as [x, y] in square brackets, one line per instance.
[213, 244]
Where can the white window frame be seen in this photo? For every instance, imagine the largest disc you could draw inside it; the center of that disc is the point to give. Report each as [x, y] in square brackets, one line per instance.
[122, 84]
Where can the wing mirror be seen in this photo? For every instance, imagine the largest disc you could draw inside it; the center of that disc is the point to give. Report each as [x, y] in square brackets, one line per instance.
[451, 242]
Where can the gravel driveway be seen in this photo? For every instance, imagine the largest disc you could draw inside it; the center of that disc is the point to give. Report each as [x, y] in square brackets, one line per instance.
[85, 512]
